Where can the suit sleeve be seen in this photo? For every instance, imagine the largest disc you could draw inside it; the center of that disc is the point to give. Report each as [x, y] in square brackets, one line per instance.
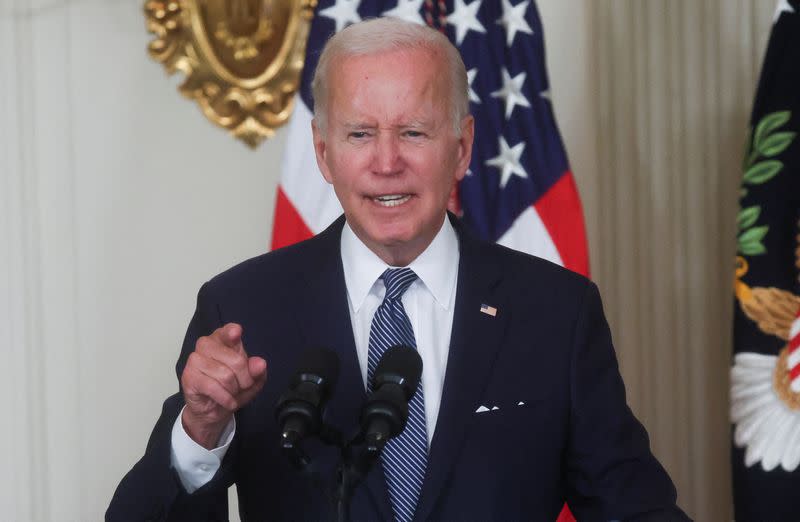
[612, 474]
[151, 490]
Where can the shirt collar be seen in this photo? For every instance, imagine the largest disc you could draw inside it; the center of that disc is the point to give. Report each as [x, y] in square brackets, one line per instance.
[436, 266]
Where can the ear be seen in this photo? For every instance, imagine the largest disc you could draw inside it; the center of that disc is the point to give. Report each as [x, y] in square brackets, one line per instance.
[321, 151]
[465, 146]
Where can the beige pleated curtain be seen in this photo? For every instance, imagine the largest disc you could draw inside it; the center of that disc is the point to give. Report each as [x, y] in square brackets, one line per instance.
[675, 82]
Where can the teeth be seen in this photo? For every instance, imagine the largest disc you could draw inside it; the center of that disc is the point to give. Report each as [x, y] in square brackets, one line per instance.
[392, 200]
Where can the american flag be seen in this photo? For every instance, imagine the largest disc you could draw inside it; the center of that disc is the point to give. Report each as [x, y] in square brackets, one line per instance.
[519, 190]
[489, 310]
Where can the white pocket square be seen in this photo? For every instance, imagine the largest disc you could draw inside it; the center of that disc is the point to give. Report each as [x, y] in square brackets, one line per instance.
[484, 409]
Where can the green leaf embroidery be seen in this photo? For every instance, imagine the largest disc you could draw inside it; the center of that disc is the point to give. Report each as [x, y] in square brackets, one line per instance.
[750, 241]
[763, 142]
[769, 123]
[775, 143]
[754, 234]
[753, 248]
[762, 172]
[747, 217]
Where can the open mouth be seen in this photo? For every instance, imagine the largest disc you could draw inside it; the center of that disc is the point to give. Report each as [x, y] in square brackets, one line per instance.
[391, 200]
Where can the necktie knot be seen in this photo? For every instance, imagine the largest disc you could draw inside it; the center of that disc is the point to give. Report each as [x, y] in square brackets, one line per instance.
[397, 281]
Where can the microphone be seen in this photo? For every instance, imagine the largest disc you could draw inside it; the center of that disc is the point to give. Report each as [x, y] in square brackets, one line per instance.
[395, 381]
[299, 409]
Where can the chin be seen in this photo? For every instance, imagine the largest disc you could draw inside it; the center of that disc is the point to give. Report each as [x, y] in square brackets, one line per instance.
[392, 238]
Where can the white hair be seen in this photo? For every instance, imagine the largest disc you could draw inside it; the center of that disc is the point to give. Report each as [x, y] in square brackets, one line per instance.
[379, 35]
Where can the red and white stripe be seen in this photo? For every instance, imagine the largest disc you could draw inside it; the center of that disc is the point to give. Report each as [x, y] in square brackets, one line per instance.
[552, 228]
[306, 203]
[793, 361]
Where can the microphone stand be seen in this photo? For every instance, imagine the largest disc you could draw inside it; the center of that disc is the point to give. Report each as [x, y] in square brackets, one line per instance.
[356, 462]
[357, 457]
[383, 416]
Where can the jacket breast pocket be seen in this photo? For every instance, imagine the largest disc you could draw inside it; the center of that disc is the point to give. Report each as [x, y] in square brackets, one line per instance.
[533, 428]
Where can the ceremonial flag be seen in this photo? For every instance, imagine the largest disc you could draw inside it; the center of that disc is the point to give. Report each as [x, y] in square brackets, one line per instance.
[519, 190]
[765, 398]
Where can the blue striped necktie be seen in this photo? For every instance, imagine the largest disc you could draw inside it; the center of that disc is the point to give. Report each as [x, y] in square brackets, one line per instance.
[405, 457]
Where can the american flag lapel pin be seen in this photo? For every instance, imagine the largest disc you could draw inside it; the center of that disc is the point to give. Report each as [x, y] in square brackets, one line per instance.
[488, 310]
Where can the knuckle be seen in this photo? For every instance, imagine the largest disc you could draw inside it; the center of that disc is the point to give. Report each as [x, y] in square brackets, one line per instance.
[239, 362]
[202, 344]
[200, 385]
[241, 369]
[189, 371]
[228, 378]
[191, 361]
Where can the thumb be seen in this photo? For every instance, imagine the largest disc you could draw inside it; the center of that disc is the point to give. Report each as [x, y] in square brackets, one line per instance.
[257, 367]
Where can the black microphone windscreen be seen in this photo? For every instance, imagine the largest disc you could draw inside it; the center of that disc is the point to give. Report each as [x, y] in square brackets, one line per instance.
[400, 364]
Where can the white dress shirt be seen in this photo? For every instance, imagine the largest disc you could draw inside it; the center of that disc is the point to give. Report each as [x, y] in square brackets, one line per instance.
[429, 302]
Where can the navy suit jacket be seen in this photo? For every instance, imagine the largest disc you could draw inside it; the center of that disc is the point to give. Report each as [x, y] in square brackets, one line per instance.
[558, 426]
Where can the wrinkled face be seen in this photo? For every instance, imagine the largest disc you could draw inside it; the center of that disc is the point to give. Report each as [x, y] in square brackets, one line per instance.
[390, 150]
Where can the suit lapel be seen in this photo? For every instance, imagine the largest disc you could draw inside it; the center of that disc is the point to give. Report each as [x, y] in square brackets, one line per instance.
[329, 326]
[474, 342]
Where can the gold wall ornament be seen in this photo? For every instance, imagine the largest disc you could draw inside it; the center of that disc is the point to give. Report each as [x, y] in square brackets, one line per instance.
[242, 58]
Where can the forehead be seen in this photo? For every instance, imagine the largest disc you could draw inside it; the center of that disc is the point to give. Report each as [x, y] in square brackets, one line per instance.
[388, 83]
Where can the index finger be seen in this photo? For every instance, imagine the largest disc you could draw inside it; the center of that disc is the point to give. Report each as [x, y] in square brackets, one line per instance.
[230, 335]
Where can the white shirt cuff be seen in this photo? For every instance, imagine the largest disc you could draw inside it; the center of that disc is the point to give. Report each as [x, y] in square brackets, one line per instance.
[196, 465]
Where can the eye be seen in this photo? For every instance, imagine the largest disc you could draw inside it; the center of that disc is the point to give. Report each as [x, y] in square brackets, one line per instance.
[358, 135]
[414, 134]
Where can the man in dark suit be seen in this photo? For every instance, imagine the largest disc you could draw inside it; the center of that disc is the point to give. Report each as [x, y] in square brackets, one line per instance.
[521, 405]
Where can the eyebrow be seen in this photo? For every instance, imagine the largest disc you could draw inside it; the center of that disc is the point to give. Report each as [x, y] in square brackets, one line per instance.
[358, 126]
[414, 124]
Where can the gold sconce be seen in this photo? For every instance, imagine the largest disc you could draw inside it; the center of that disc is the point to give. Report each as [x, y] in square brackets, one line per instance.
[242, 58]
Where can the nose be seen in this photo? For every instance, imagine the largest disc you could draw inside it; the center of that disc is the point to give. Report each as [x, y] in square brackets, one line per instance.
[387, 159]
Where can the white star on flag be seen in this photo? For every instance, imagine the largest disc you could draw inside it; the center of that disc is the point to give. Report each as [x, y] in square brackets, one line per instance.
[783, 7]
[407, 10]
[513, 20]
[473, 96]
[343, 12]
[465, 18]
[512, 92]
[508, 161]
